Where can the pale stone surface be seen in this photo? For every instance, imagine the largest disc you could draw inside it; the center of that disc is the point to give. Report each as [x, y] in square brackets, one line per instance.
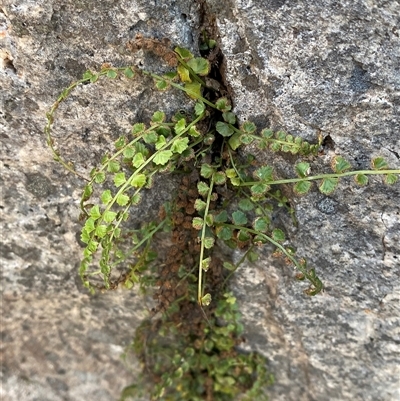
[309, 68]
[325, 68]
[59, 343]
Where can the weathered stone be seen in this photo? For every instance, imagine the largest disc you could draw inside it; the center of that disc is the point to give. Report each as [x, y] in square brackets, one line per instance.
[59, 343]
[325, 68]
[309, 68]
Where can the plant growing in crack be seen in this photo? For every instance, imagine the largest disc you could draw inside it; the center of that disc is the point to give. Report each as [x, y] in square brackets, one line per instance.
[231, 200]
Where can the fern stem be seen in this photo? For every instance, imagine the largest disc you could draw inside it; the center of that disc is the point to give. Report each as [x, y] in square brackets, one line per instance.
[200, 288]
[180, 87]
[322, 176]
[281, 248]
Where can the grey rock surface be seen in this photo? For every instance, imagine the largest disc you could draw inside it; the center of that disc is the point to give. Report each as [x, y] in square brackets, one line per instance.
[325, 68]
[310, 68]
[59, 343]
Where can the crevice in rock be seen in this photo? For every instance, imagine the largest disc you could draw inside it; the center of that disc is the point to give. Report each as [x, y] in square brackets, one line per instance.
[395, 153]
[8, 63]
[328, 143]
[208, 26]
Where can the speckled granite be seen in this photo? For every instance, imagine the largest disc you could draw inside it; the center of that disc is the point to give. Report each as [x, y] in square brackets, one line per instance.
[320, 67]
[327, 68]
[59, 343]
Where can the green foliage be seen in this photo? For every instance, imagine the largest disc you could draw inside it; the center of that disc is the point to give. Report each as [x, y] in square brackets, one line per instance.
[196, 371]
[234, 203]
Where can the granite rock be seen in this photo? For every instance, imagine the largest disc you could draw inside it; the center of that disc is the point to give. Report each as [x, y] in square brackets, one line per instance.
[310, 68]
[58, 342]
[324, 68]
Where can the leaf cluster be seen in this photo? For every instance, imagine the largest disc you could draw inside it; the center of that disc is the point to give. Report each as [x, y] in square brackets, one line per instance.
[117, 185]
[208, 368]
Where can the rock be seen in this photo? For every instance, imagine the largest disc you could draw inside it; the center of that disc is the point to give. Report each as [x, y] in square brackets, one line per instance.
[59, 342]
[321, 68]
[324, 68]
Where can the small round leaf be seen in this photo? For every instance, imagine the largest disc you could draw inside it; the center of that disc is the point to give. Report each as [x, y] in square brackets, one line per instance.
[302, 187]
[328, 185]
[239, 218]
[278, 235]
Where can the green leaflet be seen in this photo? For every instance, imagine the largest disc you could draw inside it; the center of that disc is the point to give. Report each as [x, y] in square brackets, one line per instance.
[109, 216]
[209, 220]
[199, 108]
[302, 169]
[179, 145]
[100, 177]
[158, 117]
[328, 185]
[184, 74]
[340, 165]
[89, 225]
[161, 142]
[224, 233]
[206, 264]
[219, 178]
[379, 163]
[209, 242]
[224, 129]
[267, 133]
[199, 65]
[246, 139]
[239, 218]
[138, 128]
[137, 160]
[199, 205]
[223, 104]
[122, 199]
[302, 187]
[162, 157]
[391, 179]
[248, 127]
[361, 179]
[120, 143]
[246, 205]
[193, 89]
[138, 181]
[221, 217]
[261, 224]
[112, 74]
[243, 236]
[162, 84]
[194, 132]
[150, 137]
[95, 212]
[119, 179]
[197, 223]
[101, 231]
[252, 257]
[206, 171]
[184, 53]
[278, 235]
[264, 173]
[229, 266]
[203, 188]
[129, 72]
[206, 300]
[259, 189]
[129, 152]
[234, 140]
[113, 166]
[180, 126]
[229, 117]
[87, 192]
